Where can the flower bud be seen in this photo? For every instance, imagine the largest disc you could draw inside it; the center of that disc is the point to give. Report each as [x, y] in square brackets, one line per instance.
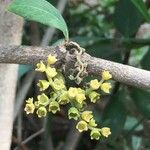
[43, 85]
[51, 59]
[94, 84]
[43, 99]
[40, 67]
[105, 131]
[73, 113]
[95, 134]
[51, 72]
[54, 107]
[63, 99]
[41, 112]
[87, 115]
[82, 126]
[106, 87]
[94, 96]
[106, 75]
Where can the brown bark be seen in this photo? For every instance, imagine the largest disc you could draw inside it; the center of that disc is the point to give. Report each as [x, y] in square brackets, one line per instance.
[10, 33]
[31, 55]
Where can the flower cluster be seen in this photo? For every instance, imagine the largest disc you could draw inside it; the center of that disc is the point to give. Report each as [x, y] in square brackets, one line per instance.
[75, 96]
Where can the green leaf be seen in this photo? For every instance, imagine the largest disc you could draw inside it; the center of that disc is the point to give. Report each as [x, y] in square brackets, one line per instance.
[114, 115]
[131, 122]
[127, 18]
[142, 8]
[142, 100]
[145, 61]
[40, 11]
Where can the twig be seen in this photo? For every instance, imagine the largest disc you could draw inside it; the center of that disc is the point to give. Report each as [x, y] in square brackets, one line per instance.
[30, 138]
[31, 55]
[72, 138]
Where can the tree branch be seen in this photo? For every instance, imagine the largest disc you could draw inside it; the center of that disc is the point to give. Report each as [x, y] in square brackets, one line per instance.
[32, 55]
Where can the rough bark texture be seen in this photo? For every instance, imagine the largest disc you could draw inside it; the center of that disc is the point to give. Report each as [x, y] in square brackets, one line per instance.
[10, 33]
[31, 55]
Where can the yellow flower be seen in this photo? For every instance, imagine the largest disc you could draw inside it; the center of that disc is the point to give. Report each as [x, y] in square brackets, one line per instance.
[106, 75]
[72, 92]
[63, 99]
[54, 107]
[87, 115]
[82, 126]
[94, 84]
[43, 99]
[43, 85]
[92, 123]
[41, 112]
[80, 91]
[106, 87]
[105, 131]
[94, 96]
[51, 72]
[51, 59]
[29, 108]
[40, 67]
[95, 134]
[73, 113]
[29, 100]
[58, 84]
[80, 98]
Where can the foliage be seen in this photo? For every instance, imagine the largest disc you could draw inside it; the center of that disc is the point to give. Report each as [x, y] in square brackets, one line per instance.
[41, 11]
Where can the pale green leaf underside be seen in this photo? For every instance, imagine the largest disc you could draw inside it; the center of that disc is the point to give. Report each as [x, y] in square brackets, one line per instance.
[40, 11]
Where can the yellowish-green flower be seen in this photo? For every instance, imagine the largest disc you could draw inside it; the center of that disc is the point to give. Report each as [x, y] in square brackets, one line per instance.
[87, 116]
[106, 75]
[40, 67]
[95, 134]
[58, 84]
[29, 108]
[29, 100]
[51, 72]
[82, 126]
[72, 92]
[80, 98]
[80, 91]
[105, 131]
[94, 96]
[54, 107]
[92, 123]
[73, 113]
[51, 59]
[94, 84]
[43, 84]
[43, 99]
[106, 87]
[41, 112]
[63, 99]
